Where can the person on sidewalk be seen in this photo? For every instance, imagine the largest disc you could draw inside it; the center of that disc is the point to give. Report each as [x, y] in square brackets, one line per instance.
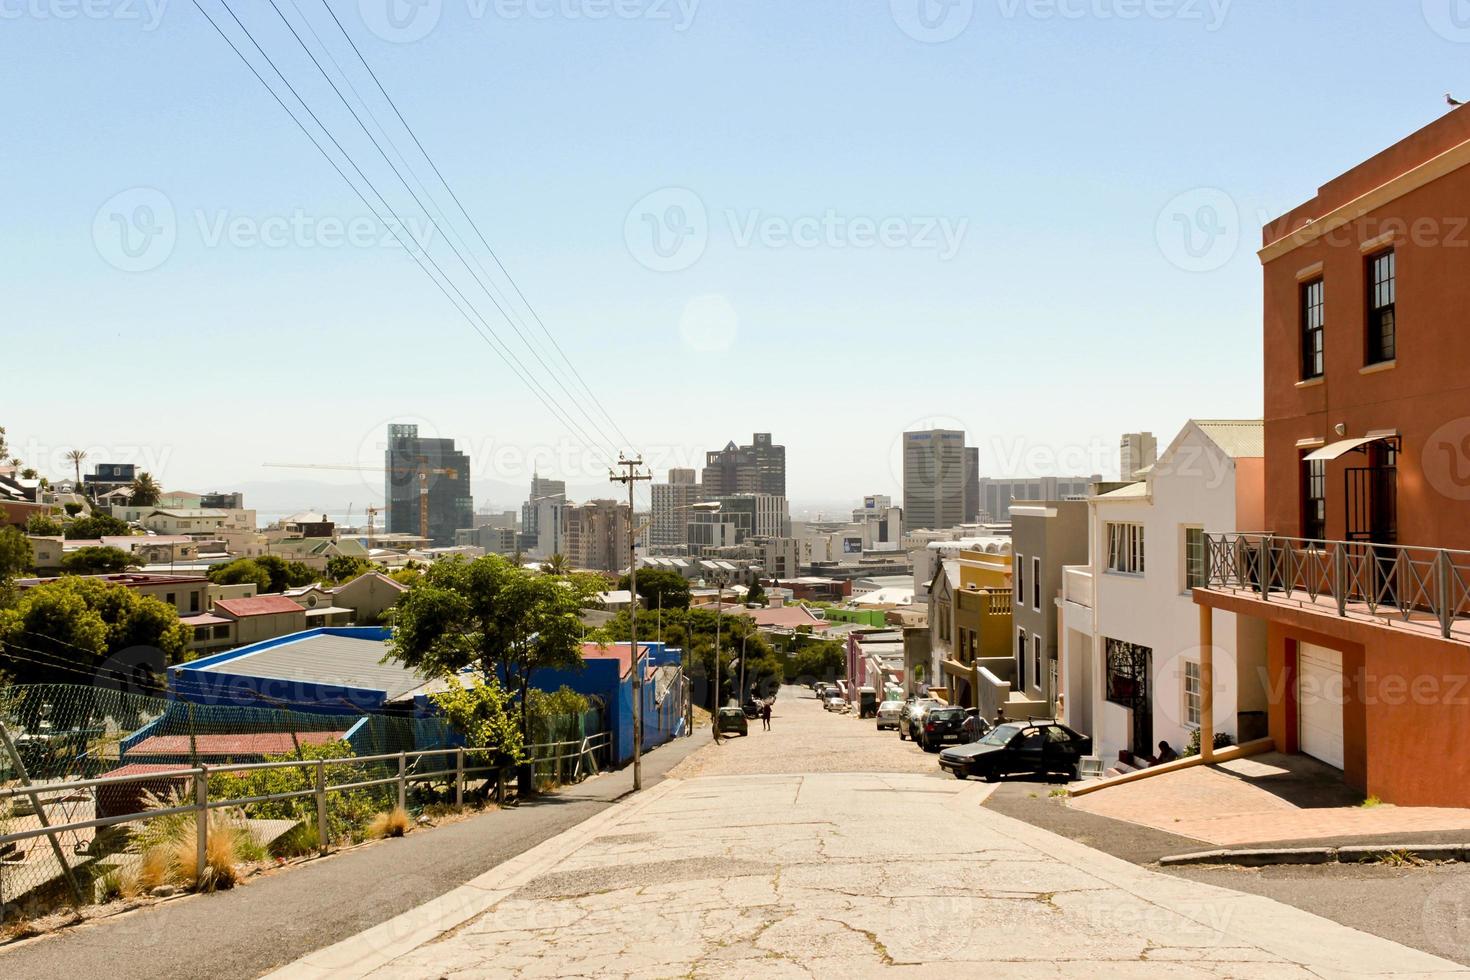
[970, 729]
[766, 716]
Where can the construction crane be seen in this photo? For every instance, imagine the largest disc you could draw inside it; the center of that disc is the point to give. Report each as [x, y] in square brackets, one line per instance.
[422, 470]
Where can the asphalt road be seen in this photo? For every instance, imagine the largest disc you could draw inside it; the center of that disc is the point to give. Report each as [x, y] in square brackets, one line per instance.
[278, 918]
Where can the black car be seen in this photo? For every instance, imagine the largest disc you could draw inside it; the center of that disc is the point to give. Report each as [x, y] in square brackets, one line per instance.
[1019, 748]
[940, 725]
[913, 711]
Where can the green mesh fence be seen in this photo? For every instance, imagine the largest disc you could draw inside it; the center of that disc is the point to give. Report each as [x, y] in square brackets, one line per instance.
[65, 733]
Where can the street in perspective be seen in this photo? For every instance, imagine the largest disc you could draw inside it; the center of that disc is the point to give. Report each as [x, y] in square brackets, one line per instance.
[667, 489]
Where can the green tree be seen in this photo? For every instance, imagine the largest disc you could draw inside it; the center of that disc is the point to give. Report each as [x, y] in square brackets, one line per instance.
[59, 631]
[241, 571]
[144, 491]
[504, 621]
[345, 568]
[97, 561]
[756, 594]
[485, 715]
[286, 574]
[557, 564]
[820, 659]
[43, 526]
[660, 587]
[4, 447]
[96, 525]
[15, 552]
[72, 508]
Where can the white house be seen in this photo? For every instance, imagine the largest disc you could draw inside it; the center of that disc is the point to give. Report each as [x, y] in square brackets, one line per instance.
[1130, 627]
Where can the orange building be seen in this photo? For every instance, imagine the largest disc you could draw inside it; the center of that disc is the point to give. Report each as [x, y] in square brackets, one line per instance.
[1362, 572]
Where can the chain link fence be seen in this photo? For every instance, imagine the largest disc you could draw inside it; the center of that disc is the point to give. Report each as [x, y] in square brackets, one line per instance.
[161, 775]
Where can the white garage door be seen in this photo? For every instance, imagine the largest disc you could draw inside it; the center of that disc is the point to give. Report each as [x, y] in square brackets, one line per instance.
[1319, 703]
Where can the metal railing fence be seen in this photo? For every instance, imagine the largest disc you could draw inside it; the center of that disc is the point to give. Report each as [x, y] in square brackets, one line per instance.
[1387, 580]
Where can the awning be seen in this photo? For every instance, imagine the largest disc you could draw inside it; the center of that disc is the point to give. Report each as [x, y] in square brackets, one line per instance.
[1335, 449]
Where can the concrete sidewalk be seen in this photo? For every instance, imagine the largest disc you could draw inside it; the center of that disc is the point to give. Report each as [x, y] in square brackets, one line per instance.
[846, 875]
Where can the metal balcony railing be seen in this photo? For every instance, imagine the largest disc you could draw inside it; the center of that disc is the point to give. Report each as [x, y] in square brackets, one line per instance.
[1423, 586]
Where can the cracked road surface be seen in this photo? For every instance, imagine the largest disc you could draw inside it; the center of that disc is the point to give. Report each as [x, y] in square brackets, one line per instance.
[828, 874]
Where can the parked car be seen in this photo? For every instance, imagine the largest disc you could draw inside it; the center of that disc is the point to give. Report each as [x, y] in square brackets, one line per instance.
[913, 710]
[888, 713]
[834, 702]
[940, 725]
[1019, 748]
[732, 722]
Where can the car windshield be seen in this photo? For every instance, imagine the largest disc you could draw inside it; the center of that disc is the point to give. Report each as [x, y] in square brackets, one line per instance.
[888, 706]
[1001, 735]
[946, 714]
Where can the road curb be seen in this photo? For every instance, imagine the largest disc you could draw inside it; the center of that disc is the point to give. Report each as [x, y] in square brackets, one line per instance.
[359, 955]
[1258, 857]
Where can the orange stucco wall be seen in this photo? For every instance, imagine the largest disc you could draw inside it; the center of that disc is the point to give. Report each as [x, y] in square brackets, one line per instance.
[1406, 717]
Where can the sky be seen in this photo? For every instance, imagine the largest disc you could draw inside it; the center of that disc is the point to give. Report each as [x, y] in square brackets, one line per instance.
[831, 220]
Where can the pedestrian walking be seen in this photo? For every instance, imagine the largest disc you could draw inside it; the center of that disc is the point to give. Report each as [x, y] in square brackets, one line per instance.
[766, 716]
[970, 729]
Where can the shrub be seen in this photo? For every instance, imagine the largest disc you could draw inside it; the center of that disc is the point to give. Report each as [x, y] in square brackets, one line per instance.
[348, 811]
[1222, 740]
[394, 823]
[170, 854]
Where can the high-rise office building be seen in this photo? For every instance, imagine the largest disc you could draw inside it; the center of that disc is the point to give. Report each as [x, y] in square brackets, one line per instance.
[996, 494]
[972, 484]
[933, 479]
[597, 535]
[426, 474]
[757, 468]
[1136, 451]
[671, 503]
[541, 488]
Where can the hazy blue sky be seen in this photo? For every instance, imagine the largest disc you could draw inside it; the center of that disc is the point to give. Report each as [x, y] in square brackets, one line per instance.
[1066, 199]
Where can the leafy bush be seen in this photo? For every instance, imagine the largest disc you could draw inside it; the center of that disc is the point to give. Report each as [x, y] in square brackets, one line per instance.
[1222, 740]
[348, 811]
[485, 717]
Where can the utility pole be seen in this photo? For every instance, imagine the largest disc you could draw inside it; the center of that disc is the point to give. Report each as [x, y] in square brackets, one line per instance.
[631, 479]
[719, 598]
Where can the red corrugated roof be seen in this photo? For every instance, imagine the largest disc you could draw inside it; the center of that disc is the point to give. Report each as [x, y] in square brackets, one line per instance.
[618, 652]
[253, 743]
[145, 769]
[261, 605]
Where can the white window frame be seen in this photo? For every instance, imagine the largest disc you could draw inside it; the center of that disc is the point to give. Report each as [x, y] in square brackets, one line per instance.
[1020, 684]
[1036, 661]
[1036, 582]
[1184, 531]
[1018, 577]
[1125, 548]
[1191, 686]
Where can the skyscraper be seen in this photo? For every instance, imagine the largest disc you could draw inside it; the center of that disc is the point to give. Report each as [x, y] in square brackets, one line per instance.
[1136, 450]
[531, 509]
[597, 535]
[671, 503]
[972, 484]
[933, 479]
[426, 475]
[757, 468]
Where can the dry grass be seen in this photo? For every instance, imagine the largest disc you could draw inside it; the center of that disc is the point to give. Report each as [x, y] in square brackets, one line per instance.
[394, 823]
[169, 849]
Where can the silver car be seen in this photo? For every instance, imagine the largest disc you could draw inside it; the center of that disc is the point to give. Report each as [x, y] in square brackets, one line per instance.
[888, 713]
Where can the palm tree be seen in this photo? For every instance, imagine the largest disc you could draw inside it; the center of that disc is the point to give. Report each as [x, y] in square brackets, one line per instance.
[557, 564]
[145, 491]
[75, 456]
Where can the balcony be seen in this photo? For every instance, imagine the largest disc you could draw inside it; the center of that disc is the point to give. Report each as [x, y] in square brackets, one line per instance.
[1426, 590]
[1077, 584]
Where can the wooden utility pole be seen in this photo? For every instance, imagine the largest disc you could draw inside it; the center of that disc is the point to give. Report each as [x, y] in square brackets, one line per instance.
[631, 479]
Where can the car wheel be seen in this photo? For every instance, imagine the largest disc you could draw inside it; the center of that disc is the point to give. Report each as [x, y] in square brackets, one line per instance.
[901, 735]
[960, 774]
[991, 776]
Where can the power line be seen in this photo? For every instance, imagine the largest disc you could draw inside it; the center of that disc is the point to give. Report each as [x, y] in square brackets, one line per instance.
[487, 334]
[483, 282]
[462, 210]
